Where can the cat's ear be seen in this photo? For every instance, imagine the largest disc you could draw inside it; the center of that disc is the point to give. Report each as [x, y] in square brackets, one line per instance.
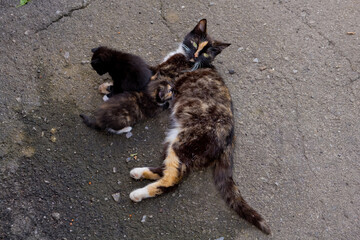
[94, 49]
[200, 28]
[217, 47]
[154, 76]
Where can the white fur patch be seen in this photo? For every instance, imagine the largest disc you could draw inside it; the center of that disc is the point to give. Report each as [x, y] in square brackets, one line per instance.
[173, 133]
[124, 130]
[139, 194]
[105, 98]
[137, 173]
[179, 50]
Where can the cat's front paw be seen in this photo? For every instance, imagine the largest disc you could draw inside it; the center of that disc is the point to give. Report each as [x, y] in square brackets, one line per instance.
[137, 173]
[139, 194]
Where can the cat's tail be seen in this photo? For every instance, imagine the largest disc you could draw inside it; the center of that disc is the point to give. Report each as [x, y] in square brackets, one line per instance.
[90, 122]
[231, 193]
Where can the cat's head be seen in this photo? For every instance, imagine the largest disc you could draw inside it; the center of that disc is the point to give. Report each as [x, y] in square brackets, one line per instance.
[200, 48]
[100, 59]
[160, 88]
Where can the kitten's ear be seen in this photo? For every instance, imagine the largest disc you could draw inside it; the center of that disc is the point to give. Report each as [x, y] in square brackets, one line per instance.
[200, 28]
[217, 47]
[154, 76]
[94, 49]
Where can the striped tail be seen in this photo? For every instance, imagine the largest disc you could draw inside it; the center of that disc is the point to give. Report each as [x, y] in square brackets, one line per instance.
[231, 193]
[90, 122]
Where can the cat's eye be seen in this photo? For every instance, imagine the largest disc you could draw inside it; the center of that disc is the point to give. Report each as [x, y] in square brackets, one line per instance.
[206, 55]
[194, 44]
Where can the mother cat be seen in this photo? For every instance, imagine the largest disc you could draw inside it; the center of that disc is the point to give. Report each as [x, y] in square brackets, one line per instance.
[202, 131]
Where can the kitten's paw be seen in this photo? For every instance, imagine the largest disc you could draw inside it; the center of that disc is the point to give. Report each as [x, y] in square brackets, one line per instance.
[105, 87]
[137, 173]
[124, 130]
[139, 194]
[105, 98]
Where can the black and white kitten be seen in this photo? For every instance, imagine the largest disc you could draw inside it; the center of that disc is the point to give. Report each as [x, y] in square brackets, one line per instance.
[128, 72]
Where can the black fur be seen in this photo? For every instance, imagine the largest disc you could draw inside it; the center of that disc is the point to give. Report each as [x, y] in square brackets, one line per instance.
[128, 72]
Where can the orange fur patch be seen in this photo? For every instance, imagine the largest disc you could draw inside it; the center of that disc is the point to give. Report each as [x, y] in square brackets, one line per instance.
[147, 174]
[201, 46]
[171, 174]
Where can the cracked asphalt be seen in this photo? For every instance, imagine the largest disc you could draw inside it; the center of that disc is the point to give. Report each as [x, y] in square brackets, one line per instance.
[296, 94]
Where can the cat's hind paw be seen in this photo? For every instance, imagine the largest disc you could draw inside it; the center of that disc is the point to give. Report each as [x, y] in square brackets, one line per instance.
[139, 194]
[137, 173]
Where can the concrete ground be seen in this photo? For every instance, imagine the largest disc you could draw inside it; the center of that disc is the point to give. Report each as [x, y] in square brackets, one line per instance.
[296, 94]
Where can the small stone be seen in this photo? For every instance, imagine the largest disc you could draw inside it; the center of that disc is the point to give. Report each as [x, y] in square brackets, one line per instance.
[295, 71]
[147, 128]
[58, 12]
[182, 7]
[116, 197]
[220, 238]
[53, 139]
[128, 135]
[240, 49]
[114, 169]
[151, 22]
[128, 159]
[27, 32]
[18, 99]
[231, 71]
[143, 219]
[83, 62]
[53, 130]
[255, 60]
[56, 215]
[66, 55]
[211, 4]
[262, 68]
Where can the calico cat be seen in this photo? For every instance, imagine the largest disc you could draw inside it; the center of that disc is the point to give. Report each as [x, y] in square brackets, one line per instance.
[122, 111]
[128, 72]
[202, 130]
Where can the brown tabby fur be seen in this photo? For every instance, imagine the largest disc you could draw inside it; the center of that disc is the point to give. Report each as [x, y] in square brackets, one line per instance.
[127, 108]
[202, 134]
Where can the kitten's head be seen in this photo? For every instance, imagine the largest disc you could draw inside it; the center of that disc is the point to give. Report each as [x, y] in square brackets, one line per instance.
[100, 59]
[160, 88]
[200, 48]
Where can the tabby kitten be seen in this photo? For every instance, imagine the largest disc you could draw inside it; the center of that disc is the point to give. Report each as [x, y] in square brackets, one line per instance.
[202, 131]
[128, 72]
[122, 111]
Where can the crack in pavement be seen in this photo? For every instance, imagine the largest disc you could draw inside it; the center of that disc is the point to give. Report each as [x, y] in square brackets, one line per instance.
[330, 42]
[165, 21]
[83, 5]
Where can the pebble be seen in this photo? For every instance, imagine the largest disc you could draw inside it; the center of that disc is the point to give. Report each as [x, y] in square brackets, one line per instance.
[18, 99]
[220, 238]
[128, 159]
[114, 169]
[240, 49]
[211, 4]
[27, 32]
[147, 128]
[295, 71]
[151, 22]
[56, 215]
[116, 197]
[66, 55]
[143, 219]
[231, 71]
[83, 62]
[128, 135]
[256, 60]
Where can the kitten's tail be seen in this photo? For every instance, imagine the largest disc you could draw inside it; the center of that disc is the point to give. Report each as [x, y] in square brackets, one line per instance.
[90, 122]
[231, 193]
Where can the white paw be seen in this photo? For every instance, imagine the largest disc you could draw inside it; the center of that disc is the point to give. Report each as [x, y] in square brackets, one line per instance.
[105, 98]
[137, 173]
[139, 194]
[124, 130]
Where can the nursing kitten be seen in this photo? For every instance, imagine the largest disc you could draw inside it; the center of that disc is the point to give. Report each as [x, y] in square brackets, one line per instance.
[122, 111]
[202, 131]
[128, 72]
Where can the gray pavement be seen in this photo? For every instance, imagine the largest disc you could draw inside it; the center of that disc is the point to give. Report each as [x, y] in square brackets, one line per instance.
[296, 94]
